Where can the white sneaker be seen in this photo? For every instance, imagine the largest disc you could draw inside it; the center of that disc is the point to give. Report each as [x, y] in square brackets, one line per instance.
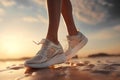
[49, 54]
[75, 42]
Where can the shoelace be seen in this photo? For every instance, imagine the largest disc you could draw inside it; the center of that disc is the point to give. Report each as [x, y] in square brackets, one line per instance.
[39, 42]
[44, 48]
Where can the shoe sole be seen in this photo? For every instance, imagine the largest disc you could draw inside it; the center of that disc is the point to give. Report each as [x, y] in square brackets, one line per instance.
[55, 60]
[76, 49]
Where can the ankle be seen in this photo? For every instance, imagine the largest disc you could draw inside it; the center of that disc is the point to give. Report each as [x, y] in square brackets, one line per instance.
[72, 33]
[55, 41]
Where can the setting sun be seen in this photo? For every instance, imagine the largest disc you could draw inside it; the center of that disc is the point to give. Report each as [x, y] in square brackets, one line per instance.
[11, 45]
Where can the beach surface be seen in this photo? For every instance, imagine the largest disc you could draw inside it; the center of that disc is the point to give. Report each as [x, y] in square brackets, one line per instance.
[99, 68]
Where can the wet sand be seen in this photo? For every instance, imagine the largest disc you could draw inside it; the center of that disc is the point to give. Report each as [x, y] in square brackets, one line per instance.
[79, 69]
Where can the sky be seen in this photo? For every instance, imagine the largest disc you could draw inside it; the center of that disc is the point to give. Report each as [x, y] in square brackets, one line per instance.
[25, 21]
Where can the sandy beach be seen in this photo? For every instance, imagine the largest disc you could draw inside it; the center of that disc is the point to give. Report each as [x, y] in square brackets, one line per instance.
[99, 68]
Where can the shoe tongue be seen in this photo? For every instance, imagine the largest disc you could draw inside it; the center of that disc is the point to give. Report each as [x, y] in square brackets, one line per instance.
[38, 43]
[43, 41]
[47, 42]
[74, 36]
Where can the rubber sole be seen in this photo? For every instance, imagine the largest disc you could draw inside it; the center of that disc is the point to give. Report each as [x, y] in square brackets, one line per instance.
[73, 52]
[61, 58]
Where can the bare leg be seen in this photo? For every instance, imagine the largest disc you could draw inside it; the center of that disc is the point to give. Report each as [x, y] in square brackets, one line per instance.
[54, 10]
[68, 17]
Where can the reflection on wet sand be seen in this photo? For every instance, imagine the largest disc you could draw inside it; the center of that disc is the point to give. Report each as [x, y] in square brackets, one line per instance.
[61, 73]
[84, 69]
[76, 72]
[69, 73]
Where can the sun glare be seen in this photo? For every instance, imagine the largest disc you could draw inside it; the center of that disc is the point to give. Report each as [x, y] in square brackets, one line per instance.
[12, 46]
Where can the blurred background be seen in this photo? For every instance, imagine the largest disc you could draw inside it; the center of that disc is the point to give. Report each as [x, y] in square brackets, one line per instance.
[22, 21]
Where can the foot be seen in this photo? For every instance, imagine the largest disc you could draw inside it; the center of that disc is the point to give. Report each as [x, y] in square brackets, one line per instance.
[48, 55]
[75, 42]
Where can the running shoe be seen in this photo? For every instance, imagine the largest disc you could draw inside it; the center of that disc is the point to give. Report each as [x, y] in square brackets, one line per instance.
[75, 43]
[48, 55]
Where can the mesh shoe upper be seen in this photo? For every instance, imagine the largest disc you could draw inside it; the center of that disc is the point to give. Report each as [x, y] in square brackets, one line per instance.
[47, 51]
[75, 41]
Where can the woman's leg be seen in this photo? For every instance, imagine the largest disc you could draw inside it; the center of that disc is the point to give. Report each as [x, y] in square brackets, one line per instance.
[68, 17]
[76, 40]
[54, 10]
